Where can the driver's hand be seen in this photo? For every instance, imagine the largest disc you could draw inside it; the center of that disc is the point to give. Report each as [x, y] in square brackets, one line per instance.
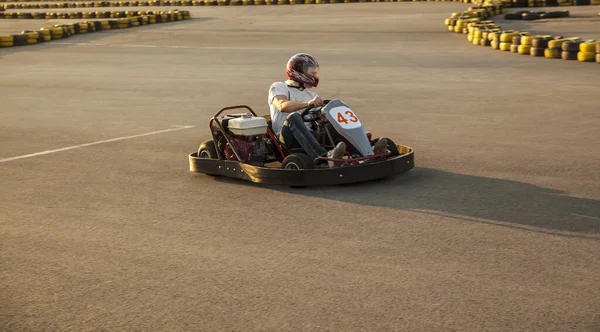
[316, 102]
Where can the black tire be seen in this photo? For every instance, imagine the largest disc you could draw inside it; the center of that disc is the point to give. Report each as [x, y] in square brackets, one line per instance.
[512, 16]
[390, 146]
[297, 161]
[496, 37]
[485, 34]
[569, 55]
[537, 51]
[551, 15]
[516, 40]
[19, 40]
[532, 16]
[207, 150]
[521, 3]
[540, 42]
[571, 45]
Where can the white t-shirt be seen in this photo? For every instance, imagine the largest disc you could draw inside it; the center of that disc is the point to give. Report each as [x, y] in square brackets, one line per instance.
[293, 94]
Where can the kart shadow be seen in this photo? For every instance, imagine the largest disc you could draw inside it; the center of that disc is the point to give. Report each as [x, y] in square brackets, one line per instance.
[468, 198]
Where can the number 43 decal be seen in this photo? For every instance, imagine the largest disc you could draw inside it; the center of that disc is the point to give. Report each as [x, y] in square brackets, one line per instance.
[342, 119]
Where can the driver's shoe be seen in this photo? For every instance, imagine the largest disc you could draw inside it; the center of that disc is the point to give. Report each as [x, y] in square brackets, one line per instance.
[337, 153]
[380, 147]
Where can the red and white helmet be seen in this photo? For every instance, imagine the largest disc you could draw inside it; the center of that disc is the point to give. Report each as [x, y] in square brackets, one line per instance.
[304, 69]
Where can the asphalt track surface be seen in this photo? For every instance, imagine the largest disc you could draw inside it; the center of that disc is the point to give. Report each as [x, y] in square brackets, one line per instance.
[496, 229]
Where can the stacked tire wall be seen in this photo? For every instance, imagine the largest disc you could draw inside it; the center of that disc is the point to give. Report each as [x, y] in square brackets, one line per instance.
[62, 31]
[475, 23]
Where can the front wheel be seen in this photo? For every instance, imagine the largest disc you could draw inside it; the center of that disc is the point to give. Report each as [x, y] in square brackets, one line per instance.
[207, 150]
[390, 146]
[297, 161]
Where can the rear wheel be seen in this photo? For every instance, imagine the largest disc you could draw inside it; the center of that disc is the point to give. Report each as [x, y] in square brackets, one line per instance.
[297, 161]
[207, 150]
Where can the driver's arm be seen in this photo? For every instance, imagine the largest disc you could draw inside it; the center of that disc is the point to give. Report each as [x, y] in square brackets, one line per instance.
[287, 106]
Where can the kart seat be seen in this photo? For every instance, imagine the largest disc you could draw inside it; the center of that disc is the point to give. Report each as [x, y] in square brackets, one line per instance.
[285, 148]
[269, 122]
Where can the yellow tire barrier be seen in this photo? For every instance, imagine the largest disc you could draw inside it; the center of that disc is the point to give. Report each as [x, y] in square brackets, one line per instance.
[505, 46]
[6, 41]
[524, 49]
[588, 46]
[586, 56]
[507, 37]
[482, 31]
[67, 30]
[528, 39]
[99, 4]
[91, 15]
[552, 53]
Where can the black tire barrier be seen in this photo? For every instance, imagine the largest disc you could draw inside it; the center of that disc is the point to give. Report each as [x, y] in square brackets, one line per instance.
[535, 51]
[520, 3]
[555, 14]
[540, 42]
[569, 55]
[571, 45]
[531, 16]
[20, 40]
[61, 31]
[514, 16]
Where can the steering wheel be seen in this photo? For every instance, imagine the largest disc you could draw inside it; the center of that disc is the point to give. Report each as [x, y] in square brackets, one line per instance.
[312, 113]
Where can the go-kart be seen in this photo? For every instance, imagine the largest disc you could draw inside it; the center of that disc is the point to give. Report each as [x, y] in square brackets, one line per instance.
[244, 146]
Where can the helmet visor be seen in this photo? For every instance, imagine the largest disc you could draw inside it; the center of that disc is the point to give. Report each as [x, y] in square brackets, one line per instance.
[312, 70]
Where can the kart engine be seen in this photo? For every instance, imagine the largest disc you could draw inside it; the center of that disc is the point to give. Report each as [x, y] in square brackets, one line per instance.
[247, 134]
[252, 149]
